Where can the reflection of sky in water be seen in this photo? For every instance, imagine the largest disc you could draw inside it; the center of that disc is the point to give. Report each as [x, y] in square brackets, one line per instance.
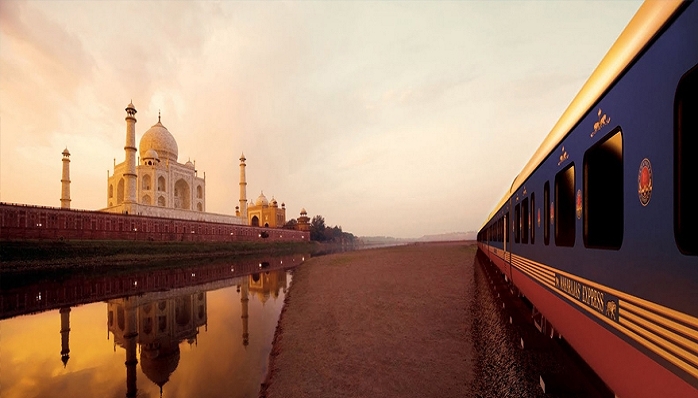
[214, 362]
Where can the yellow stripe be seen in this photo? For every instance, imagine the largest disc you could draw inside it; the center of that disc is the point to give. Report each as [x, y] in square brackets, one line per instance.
[537, 278]
[680, 316]
[537, 270]
[661, 310]
[668, 323]
[532, 265]
[629, 317]
[525, 265]
[651, 341]
[549, 281]
[626, 327]
[631, 325]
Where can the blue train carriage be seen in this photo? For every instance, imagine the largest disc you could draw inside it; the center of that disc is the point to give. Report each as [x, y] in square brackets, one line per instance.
[600, 229]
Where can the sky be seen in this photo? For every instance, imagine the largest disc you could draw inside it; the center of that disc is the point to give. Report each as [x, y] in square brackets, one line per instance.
[387, 118]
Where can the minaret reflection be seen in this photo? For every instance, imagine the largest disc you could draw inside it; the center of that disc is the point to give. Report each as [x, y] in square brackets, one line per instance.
[244, 300]
[150, 327]
[65, 335]
[263, 285]
[157, 322]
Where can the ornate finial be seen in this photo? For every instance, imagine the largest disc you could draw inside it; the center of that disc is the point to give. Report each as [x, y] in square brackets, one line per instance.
[158, 115]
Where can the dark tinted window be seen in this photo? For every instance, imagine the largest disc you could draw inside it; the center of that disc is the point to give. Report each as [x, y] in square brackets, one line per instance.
[603, 193]
[546, 213]
[686, 167]
[517, 223]
[565, 207]
[524, 221]
[533, 217]
[507, 234]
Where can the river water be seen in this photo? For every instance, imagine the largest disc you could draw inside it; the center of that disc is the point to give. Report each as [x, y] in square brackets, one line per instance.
[195, 331]
[206, 331]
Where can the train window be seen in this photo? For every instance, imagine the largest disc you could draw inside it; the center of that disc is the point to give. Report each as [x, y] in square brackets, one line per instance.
[546, 213]
[533, 217]
[565, 211]
[603, 193]
[686, 168]
[524, 221]
[507, 235]
[517, 223]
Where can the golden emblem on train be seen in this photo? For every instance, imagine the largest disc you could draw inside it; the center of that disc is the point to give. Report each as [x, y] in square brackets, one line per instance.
[644, 182]
[611, 310]
[563, 157]
[603, 121]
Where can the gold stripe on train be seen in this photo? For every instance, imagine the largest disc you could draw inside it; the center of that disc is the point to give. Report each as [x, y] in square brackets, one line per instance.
[666, 339]
[658, 309]
[651, 325]
[669, 323]
[636, 333]
[549, 280]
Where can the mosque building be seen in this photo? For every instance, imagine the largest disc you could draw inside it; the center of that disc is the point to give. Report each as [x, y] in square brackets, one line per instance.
[154, 183]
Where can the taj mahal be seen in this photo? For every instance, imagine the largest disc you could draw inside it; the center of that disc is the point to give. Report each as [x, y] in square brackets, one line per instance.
[151, 182]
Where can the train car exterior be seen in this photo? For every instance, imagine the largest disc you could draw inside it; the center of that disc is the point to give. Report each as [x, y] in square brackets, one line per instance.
[600, 229]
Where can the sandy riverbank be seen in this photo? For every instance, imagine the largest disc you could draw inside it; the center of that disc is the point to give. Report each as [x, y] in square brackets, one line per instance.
[391, 322]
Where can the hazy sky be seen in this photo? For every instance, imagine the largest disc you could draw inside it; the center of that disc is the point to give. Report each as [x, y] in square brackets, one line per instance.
[387, 118]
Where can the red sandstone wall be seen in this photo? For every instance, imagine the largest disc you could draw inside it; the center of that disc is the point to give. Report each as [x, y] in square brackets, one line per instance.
[19, 222]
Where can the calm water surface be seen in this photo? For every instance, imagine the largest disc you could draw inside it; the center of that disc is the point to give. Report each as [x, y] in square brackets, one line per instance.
[197, 331]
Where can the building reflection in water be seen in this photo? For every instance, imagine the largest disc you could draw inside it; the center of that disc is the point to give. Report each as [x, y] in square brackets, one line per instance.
[150, 327]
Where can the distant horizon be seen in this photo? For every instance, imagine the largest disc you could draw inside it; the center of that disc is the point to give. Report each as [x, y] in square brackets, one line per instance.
[398, 119]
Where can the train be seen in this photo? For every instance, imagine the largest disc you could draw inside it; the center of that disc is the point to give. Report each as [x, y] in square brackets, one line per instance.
[599, 231]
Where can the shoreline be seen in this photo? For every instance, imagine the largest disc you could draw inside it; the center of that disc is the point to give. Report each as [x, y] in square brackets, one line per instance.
[18, 257]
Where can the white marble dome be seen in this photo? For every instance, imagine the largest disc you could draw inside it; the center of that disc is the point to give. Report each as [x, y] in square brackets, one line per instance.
[160, 140]
[261, 200]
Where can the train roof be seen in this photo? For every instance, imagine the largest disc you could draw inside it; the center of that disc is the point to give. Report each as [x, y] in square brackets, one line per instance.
[645, 24]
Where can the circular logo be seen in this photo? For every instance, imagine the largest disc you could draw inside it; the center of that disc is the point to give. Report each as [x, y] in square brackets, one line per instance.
[644, 182]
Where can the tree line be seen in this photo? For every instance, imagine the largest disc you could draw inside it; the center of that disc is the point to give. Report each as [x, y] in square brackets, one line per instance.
[323, 233]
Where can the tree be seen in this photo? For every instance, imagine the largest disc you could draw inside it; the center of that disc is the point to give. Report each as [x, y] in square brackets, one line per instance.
[291, 224]
[317, 228]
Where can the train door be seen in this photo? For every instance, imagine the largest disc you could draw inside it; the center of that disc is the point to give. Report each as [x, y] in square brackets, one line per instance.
[506, 234]
[507, 244]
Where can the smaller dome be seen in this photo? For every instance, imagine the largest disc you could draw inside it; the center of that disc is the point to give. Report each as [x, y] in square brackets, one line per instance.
[65, 152]
[273, 202]
[189, 164]
[303, 212]
[151, 154]
[261, 200]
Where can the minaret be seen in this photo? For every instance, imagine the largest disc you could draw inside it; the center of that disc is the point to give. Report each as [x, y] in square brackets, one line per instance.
[65, 334]
[65, 180]
[130, 151]
[243, 188]
[244, 300]
[130, 335]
